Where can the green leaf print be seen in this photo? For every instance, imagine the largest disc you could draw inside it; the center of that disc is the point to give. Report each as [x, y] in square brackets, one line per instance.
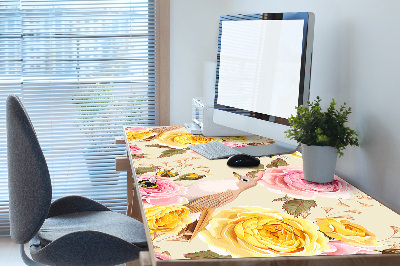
[296, 207]
[143, 170]
[171, 152]
[208, 254]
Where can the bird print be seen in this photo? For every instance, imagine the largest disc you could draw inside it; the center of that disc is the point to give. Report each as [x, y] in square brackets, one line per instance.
[204, 197]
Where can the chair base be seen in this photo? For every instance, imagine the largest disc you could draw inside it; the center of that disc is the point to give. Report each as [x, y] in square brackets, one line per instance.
[26, 259]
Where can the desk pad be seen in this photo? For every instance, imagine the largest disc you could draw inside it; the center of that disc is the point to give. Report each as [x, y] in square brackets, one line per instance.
[201, 209]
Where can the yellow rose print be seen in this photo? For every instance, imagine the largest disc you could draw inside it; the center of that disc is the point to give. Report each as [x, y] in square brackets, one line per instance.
[166, 173]
[182, 139]
[297, 154]
[140, 134]
[258, 232]
[347, 231]
[167, 218]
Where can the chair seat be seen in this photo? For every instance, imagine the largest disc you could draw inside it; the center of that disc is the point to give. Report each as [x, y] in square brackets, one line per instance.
[107, 222]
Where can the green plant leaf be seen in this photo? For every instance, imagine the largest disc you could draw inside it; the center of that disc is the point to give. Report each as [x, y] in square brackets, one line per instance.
[296, 207]
[312, 126]
[171, 152]
[207, 254]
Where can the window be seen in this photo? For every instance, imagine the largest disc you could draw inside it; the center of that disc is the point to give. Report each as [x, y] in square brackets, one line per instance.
[82, 69]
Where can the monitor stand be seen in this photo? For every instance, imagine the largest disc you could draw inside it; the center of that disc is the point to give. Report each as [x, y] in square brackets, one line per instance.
[268, 150]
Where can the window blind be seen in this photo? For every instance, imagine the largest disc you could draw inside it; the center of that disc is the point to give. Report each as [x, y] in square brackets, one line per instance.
[82, 69]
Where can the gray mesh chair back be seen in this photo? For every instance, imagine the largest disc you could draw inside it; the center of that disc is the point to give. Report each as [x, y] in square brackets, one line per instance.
[28, 176]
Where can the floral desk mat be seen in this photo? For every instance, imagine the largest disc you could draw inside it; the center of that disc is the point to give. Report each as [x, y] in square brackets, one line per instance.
[200, 209]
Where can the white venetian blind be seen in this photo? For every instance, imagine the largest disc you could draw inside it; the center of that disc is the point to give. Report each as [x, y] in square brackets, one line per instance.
[82, 69]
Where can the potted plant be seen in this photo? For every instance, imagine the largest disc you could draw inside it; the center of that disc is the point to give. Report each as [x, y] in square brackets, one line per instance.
[323, 136]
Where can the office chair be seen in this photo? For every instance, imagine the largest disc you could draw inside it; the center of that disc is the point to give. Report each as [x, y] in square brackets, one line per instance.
[70, 231]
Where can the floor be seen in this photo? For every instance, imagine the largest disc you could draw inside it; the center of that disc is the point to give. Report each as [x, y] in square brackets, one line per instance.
[10, 256]
[9, 253]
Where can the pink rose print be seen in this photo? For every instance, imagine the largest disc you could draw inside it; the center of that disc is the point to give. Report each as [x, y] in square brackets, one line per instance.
[339, 247]
[161, 256]
[166, 193]
[233, 144]
[136, 128]
[195, 154]
[289, 180]
[136, 152]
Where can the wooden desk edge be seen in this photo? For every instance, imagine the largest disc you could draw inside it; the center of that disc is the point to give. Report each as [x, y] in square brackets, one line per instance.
[122, 163]
[119, 140]
[144, 258]
[150, 254]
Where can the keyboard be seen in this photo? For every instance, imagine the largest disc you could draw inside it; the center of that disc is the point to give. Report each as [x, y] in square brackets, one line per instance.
[214, 150]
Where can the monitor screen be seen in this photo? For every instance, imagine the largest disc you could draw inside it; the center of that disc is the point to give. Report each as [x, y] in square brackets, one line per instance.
[260, 63]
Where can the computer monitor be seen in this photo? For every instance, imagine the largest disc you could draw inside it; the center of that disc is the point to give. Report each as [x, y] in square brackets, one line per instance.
[263, 73]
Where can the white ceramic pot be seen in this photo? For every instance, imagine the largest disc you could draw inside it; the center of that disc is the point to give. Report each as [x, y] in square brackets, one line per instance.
[319, 163]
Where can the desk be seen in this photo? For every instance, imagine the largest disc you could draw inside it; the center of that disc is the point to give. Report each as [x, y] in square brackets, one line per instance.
[202, 211]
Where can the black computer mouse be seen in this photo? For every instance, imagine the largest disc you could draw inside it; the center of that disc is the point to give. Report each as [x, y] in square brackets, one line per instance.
[242, 160]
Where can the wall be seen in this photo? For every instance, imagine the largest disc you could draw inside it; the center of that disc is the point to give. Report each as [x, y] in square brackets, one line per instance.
[194, 41]
[355, 60]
